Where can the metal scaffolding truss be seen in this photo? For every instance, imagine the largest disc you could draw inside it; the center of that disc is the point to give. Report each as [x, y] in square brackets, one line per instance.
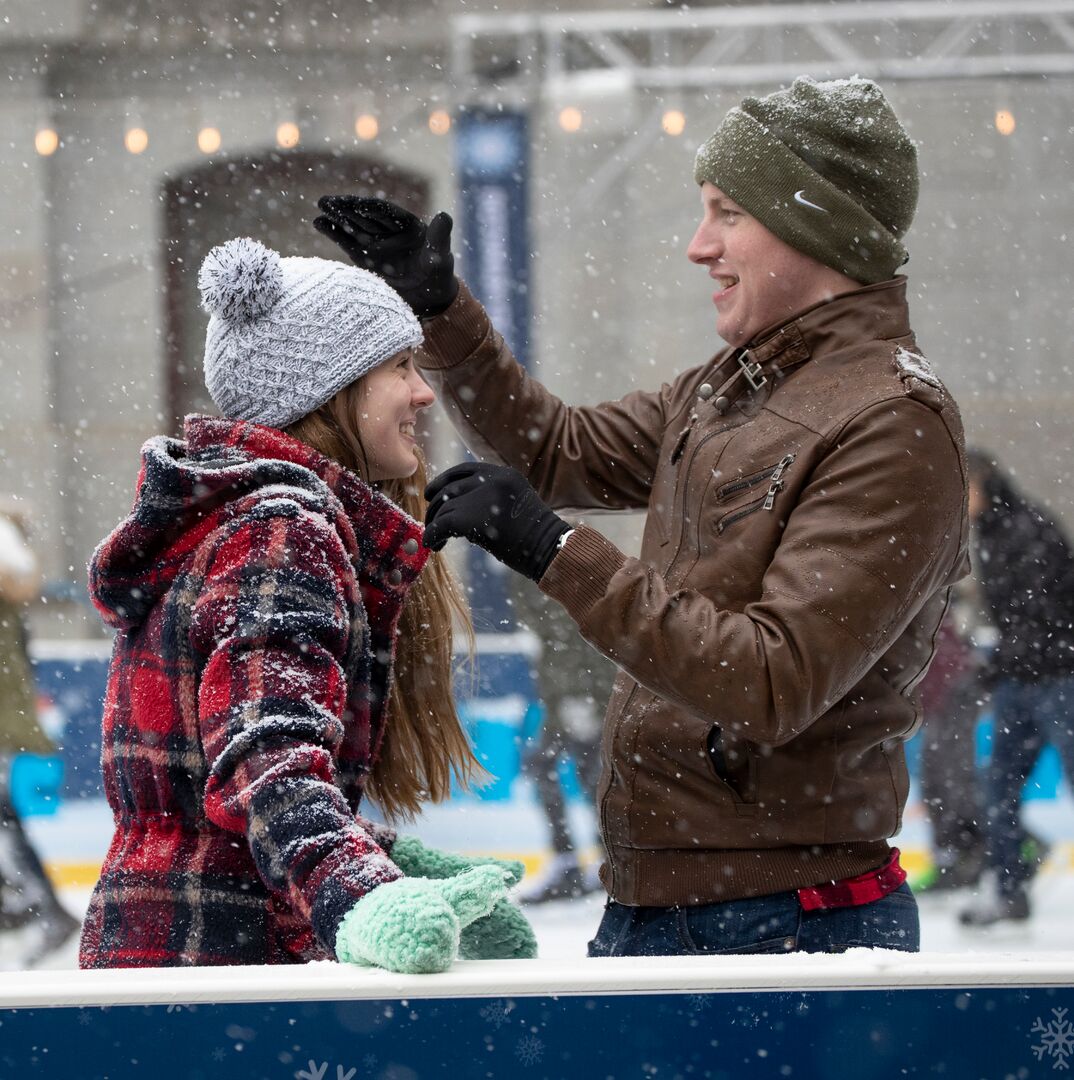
[600, 58]
[771, 43]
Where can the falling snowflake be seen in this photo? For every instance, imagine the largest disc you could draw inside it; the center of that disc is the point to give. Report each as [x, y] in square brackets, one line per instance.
[497, 1012]
[529, 1049]
[313, 1071]
[1056, 1038]
[747, 1018]
[699, 1001]
[182, 1008]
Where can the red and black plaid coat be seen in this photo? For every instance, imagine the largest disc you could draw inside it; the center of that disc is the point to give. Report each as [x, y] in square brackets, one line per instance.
[256, 587]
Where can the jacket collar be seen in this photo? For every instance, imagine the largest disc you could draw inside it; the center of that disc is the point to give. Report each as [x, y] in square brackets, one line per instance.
[873, 312]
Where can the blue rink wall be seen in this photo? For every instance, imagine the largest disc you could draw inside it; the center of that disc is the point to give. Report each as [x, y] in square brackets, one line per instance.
[499, 707]
[805, 1018]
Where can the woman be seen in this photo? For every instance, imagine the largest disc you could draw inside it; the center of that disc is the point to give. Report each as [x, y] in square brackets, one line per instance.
[278, 654]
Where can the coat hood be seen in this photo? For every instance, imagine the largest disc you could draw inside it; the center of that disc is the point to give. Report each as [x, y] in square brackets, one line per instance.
[187, 486]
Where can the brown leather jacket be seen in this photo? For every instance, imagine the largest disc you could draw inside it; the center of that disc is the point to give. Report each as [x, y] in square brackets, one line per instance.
[806, 518]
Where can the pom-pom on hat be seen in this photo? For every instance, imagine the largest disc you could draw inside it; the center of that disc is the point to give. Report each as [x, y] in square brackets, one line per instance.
[826, 167]
[286, 334]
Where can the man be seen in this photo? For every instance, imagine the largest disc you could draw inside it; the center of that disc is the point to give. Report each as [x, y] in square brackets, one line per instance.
[574, 683]
[1022, 559]
[806, 517]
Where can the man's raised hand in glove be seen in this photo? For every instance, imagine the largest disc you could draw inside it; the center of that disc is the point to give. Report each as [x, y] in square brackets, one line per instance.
[412, 257]
[496, 508]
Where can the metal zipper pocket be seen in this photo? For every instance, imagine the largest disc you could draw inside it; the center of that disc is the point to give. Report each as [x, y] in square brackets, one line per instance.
[773, 473]
[738, 515]
[774, 476]
[776, 481]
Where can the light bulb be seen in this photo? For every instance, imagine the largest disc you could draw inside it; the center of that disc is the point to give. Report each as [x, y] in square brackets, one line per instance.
[136, 140]
[209, 140]
[570, 118]
[287, 135]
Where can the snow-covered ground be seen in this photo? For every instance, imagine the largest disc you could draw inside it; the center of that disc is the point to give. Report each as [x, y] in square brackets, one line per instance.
[78, 833]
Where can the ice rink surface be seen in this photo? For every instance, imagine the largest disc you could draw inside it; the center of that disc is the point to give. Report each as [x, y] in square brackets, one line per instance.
[79, 833]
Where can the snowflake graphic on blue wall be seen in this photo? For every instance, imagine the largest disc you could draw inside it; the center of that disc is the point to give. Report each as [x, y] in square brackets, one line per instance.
[1056, 1039]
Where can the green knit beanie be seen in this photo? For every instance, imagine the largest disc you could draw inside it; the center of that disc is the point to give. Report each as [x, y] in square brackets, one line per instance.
[827, 167]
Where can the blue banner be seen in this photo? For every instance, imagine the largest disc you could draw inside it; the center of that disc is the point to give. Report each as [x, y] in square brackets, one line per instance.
[492, 151]
[493, 163]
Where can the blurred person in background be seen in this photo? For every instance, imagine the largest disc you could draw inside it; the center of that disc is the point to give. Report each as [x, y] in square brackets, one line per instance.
[27, 896]
[1024, 565]
[951, 701]
[283, 650]
[805, 499]
[574, 682]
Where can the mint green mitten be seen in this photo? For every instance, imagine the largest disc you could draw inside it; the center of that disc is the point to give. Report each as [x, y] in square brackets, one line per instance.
[503, 934]
[413, 925]
[417, 860]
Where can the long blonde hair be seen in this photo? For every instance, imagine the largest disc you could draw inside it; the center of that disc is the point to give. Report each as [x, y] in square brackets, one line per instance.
[423, 742]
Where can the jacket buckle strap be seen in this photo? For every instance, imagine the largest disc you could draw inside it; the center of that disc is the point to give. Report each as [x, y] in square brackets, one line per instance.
[750, 370]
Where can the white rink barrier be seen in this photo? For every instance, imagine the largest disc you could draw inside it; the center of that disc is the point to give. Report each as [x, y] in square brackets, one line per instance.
[858, 1016]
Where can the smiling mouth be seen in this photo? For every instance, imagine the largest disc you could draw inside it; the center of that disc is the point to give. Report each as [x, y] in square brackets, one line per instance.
[407, 429]
[726, 283]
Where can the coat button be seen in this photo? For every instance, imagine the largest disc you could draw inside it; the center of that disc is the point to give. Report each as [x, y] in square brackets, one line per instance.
[411, 547]
[705, 391]
[395, 577]
[722, 404]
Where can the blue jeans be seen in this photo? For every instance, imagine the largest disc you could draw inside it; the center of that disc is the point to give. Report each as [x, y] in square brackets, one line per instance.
[762, 924]
[1026, 716]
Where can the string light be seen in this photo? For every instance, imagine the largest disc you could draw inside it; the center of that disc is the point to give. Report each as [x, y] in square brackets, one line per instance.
[673, 122]
[209, 140]
[570, 118]
[287, 135]
[439, 122]
[1005, 123]
[136, 140]
[366, 127]
[46, 142]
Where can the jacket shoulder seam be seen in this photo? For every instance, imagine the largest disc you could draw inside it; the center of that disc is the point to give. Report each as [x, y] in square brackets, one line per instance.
[839, 426]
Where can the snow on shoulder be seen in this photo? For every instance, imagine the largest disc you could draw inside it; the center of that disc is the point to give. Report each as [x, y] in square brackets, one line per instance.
[914, 365]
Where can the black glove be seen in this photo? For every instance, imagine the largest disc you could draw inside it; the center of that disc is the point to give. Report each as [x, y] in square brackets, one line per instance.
[414, 259]
[494, 507]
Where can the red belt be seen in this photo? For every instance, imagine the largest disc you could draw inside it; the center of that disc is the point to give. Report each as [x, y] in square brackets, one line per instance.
[855, 891]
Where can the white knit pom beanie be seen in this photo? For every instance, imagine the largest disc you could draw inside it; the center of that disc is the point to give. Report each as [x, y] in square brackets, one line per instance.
[286, 334]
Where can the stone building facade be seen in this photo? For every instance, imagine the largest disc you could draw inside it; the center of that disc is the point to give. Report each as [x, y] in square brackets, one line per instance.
[100, 237]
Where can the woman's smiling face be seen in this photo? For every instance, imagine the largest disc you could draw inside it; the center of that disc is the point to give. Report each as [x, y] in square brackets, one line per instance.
[393, 394]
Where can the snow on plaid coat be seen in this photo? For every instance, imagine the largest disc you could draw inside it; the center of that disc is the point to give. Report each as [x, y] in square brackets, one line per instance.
[256, 588]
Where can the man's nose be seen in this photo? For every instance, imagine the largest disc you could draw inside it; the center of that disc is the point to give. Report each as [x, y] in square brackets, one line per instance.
[705, 245]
